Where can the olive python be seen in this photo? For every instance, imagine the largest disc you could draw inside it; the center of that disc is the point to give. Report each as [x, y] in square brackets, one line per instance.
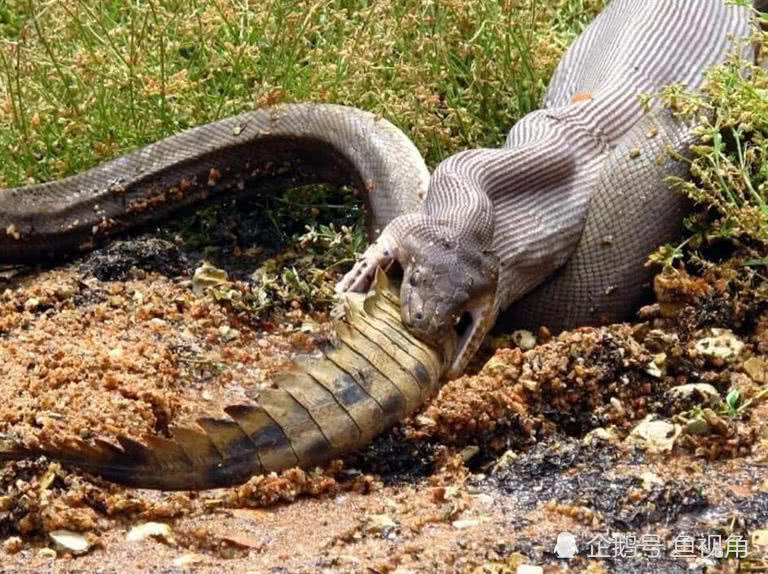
[552, 228]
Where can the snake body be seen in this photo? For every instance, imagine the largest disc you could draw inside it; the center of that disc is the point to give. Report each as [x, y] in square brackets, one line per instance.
[553, 228]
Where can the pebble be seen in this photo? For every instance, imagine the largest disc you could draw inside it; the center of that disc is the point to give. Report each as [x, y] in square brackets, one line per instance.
[73, 542]
[697, 426]
[494, 367]
[426, 421]
[692, 390]
[659, 435]
[465, 523]
[228, 334]
[600, 434]
[12, 545]
[484, 499]
[524, 339]
[722, 344]
[653, 369]
[207, 276]
[188, 559]
[47, 554]
[650, 480]
[153, 529]
[380, 523]
[760, 538]
[757, 369]
[529, 569]
[468, 452]
[659, 341]
[530, 384]
[504, 461]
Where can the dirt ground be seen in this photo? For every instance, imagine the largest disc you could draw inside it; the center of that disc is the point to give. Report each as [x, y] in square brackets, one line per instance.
[536, 442]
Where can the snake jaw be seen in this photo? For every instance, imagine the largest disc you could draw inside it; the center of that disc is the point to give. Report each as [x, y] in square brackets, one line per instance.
[470, 335]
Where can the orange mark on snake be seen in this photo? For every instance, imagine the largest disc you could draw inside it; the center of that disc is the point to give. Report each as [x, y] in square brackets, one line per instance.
[581, 96]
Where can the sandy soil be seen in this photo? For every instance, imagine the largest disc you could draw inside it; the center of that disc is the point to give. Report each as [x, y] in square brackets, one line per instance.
[533, 443]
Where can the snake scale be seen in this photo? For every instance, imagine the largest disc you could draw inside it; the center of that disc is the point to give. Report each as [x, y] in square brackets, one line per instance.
[552, 228]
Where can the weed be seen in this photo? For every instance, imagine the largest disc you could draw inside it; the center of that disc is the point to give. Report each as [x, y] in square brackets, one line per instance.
[729, 164]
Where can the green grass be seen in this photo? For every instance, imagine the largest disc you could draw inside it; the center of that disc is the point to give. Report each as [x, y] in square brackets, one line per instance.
[86, 80]
[729, 165]
[82, 81]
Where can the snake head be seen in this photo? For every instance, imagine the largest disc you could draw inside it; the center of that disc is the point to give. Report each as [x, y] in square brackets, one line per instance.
[446, 286]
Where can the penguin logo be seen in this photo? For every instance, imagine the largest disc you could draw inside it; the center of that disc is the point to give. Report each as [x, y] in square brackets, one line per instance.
[565, 547]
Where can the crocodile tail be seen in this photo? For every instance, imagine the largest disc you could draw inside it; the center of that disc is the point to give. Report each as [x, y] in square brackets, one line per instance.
[325, 406]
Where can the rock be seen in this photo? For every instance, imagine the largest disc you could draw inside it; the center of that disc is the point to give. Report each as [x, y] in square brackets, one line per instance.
[244, 540]
[529, 569]
[653, 369]
[757, 369]
[207, 276]
[426, 421]
[697, 426]
[530, 384]
[468, 452]
[47, 554]
[524, 339]
[228, 334]
[464, 523]
[484, 498]
[380, 524]
[650, 480]
[154, 529]
[12, 545]
[658, 341]
[655, 435]
[188, 559]
[722, 344]
[701, 391]
[760, 538]
[600, 434]
[494, 367]
[504, 461]
[64, 292]
[69, 541]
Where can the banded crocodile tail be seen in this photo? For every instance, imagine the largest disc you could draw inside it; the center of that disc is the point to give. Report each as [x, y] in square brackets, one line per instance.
[327, 405]
[269, 149]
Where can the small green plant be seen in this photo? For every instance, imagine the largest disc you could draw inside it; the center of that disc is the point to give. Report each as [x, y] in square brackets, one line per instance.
[729, 164]
[735, 406]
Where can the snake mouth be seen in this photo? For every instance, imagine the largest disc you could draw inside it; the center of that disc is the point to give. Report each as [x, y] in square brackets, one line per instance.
[466, 329]
[463, 326]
